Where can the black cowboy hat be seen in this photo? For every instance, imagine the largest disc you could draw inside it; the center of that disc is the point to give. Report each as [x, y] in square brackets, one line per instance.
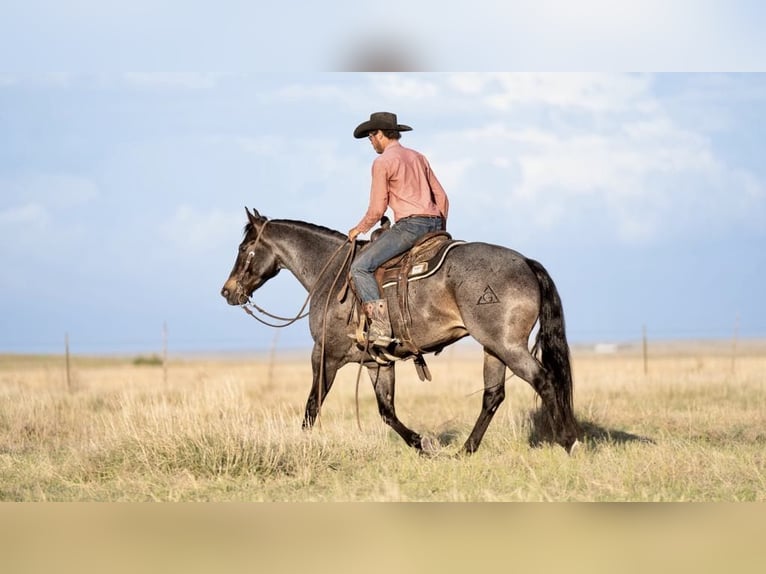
[379, 121]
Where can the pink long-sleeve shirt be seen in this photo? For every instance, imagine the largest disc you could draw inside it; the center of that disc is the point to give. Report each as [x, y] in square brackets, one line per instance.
[402, 179]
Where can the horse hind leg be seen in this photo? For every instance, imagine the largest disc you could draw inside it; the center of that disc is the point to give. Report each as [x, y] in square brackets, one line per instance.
[526, 367]
[494, 394]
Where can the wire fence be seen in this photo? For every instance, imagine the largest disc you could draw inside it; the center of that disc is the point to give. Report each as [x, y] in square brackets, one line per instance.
[166, 342]
[266, 341]
[156, 351]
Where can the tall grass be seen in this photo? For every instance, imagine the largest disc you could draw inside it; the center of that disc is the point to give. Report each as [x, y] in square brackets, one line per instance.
[692, 429]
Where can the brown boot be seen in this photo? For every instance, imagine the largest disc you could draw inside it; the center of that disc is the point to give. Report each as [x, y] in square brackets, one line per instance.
[379, 332]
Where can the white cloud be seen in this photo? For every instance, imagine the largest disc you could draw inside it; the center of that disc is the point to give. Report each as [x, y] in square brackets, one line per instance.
[405, 87]
[171, 80]
[386, 89]
[194, 232]
[51, 190]
[452, 172]
[467, 83]
[642, 179]
[593, 92]
[562, 148]
[28, 215]
[298, 92]
[42, 215]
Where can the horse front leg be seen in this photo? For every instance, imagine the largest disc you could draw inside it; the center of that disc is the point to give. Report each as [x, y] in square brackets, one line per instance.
[384, 383]
[324, 370]
[494, 394]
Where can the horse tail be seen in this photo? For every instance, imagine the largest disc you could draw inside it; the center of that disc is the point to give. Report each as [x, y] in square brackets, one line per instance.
[551, 342]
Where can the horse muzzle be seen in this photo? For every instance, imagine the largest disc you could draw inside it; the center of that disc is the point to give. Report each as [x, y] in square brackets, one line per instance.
[233, 293]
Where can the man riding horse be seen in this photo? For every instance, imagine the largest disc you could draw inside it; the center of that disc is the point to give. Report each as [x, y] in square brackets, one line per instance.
[403, 180]
[492, 293]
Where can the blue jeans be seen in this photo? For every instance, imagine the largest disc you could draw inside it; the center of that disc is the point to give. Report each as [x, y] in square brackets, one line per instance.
[402, 235]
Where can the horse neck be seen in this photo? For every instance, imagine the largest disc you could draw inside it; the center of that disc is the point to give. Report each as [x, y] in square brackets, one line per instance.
[305, 250]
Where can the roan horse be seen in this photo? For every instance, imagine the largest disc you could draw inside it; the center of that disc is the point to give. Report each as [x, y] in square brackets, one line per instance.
[492, 293]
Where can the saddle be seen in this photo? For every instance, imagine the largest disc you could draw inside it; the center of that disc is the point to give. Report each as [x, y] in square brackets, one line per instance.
[420, 262]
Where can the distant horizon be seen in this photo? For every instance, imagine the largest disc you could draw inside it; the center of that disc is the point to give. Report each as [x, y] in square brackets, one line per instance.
[721, 345]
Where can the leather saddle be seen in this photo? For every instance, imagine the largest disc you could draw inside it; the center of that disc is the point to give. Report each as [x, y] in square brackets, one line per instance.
[422, 260]
[394, 276]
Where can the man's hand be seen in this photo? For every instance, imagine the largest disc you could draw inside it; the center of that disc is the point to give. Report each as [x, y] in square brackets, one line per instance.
[352, 234]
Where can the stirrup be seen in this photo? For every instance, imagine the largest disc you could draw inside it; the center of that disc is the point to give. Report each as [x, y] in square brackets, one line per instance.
[378, 342]
[381, 356]
[382, 341]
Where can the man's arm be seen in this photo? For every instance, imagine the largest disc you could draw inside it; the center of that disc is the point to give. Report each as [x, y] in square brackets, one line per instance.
[378, 199]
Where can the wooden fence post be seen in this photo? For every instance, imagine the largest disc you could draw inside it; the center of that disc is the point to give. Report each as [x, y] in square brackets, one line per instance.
[272, 358]
[165, 353]
[645, 349]
[734, 345]
[68, 369]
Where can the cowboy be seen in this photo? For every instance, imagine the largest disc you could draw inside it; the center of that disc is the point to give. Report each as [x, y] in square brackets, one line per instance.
[402, 179]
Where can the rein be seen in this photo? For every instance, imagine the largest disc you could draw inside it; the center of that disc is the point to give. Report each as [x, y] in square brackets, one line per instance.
[287, 321]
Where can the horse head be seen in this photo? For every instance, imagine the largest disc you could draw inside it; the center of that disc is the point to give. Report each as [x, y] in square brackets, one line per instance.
[256, 262]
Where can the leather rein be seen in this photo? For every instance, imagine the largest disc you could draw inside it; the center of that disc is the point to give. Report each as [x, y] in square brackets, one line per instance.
[249, 305]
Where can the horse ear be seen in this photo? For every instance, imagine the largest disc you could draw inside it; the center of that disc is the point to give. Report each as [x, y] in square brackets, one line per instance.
[253, 217]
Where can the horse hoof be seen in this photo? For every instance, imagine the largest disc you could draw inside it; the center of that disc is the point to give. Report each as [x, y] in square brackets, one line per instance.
[429, 446]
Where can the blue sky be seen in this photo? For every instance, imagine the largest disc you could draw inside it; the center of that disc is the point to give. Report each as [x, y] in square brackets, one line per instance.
[122, 194]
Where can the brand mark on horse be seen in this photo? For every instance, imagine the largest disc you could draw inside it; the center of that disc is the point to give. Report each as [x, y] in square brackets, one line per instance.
[488, 297]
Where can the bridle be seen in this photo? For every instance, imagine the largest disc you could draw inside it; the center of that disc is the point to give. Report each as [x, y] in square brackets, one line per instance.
[248, 306]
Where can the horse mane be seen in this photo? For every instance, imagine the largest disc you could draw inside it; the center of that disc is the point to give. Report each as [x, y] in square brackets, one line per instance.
[313, 226]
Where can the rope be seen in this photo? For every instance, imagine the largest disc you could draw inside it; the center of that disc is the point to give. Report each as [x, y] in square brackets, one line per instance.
[300, 315]
[356, 390]
[324, 319]
[288, 322]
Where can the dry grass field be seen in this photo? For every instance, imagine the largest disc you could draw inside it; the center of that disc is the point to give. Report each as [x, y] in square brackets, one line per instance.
[693, 428]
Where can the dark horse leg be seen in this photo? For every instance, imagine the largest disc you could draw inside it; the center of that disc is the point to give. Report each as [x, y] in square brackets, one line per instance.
[319, 389]
[383, 381]
[494, 394]
[526, 367]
